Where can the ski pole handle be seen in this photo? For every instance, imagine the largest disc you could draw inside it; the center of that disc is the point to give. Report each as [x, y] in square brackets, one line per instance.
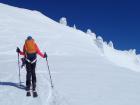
[45, 56]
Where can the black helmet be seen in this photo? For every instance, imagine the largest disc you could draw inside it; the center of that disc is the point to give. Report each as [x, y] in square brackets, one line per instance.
[29, 38]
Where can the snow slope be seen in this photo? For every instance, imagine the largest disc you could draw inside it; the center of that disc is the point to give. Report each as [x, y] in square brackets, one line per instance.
[138, 56]
[85, 70]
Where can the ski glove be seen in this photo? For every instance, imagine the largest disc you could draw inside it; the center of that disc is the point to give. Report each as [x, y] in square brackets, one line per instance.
[18, 50]
[45, 55]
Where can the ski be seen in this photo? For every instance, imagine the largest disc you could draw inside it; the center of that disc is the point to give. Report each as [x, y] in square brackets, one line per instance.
[28, 94]
[35, 94]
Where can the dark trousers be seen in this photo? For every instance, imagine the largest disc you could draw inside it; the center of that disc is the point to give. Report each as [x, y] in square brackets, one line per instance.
[31, 76]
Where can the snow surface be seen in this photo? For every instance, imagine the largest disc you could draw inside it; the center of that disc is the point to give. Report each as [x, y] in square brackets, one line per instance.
[85, 70]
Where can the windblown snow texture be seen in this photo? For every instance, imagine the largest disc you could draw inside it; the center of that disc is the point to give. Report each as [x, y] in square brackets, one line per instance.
[86, 70]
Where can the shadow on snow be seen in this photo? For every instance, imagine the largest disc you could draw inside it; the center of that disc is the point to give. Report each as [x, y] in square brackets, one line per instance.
[17, 85]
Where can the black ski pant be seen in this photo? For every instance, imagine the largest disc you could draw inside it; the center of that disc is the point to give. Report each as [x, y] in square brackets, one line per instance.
[31, 76]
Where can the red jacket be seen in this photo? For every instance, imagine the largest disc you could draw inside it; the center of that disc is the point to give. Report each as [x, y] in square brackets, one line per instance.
[38, 51]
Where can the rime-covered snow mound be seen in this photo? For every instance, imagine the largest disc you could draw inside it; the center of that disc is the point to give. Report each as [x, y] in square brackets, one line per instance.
[85, 69]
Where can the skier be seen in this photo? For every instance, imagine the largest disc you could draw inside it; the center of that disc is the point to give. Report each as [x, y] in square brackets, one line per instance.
[30, 51]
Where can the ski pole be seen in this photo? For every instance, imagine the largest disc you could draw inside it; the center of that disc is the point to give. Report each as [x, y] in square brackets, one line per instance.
[49, 73]
[19, 69]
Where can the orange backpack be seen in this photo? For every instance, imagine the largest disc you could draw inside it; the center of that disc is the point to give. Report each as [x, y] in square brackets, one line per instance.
[30, 46]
